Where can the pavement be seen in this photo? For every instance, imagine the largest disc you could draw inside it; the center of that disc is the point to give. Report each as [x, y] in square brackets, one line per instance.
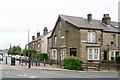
[34, 67]
[42, 67]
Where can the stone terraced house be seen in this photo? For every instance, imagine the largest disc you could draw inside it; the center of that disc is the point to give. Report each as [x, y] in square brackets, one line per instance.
[89, 39]
[40, 42]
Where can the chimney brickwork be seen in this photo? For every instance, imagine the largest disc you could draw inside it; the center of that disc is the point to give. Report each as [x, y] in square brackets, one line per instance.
[106, 19]
[33, 37]
[38, 34]
[45, 31]
[89, 17]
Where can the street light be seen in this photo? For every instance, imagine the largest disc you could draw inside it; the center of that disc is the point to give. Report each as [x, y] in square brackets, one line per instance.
[29, 65]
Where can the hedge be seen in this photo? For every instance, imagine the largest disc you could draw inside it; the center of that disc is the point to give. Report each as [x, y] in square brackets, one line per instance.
[117, 59]
[72, 63]
[43, 56]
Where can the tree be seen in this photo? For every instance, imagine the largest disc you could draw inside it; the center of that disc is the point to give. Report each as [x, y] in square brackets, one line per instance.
[15, 50]
[29, 52]
[10, 51]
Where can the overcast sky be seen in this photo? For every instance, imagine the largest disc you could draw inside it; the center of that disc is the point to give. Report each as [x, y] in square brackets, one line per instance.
[19, 16]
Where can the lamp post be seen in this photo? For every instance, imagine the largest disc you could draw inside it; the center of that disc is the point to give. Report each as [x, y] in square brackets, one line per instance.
[29, 65]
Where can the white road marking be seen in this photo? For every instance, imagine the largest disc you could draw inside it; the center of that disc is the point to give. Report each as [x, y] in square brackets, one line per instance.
[33, 77]
[19, 75]
[24, 75]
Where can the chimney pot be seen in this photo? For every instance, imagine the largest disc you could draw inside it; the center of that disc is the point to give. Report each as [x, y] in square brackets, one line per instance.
[89, 17]
[38, 34]
[33, 37]
[106, 15]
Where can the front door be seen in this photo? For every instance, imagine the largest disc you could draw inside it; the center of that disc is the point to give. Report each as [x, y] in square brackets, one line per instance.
[105, 55]
[73, 51]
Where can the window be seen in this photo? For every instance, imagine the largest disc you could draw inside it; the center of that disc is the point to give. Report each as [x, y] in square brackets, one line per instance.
[91, 37]
[112, 39]
[55, 40]
[63, 54]
[93, 53]
[54, 55]
[50, 54]
[38, 45]
[113, 54]
[49, 42]
[90, 54]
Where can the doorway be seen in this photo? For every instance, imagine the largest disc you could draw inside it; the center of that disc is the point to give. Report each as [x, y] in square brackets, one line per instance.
[73, 51]
[105, 55]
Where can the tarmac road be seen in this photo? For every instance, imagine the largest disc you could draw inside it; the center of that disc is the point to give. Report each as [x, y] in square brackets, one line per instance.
[9, 73]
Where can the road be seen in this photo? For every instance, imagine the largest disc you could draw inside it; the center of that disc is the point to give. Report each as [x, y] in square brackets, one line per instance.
[8, 73]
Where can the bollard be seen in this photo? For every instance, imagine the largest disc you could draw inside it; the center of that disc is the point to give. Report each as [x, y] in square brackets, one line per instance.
[36, 63]
[12, 61]
[6, 60]
[32, 63]
[44, 62]
[51, 62]
[19, 62]
[25, 62]
[22, 62]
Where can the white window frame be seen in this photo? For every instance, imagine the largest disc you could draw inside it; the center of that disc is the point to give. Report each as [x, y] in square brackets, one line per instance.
[91, 37]
[113, 36]
[54, 54]
[55, 40]
[38, 45]
[63, 54]
[49, 42]
[50, 54]
[114, 54]
[93, 54]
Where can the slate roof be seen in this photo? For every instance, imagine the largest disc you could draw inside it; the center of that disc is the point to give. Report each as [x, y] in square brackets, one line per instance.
[39, 38]
[81, 22]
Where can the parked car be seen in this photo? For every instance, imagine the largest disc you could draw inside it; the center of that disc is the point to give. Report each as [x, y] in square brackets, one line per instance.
[1, 57]
[24, 59]
[18, 58]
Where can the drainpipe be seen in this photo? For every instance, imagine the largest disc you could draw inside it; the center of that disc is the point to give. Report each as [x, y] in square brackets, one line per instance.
[101, 46]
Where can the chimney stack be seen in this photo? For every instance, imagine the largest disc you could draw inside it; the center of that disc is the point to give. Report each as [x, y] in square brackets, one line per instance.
[106, 19]
[89, 17]
[38, 34]
[45, 31]
[33, 37]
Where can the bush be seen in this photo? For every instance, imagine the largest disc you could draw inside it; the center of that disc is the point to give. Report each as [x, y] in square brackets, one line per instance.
[43, 56]
[72, 63]
[117, 59]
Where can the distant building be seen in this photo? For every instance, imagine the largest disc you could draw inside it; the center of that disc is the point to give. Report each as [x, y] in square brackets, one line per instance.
[40, 42]
[4, 52]
[89, 39]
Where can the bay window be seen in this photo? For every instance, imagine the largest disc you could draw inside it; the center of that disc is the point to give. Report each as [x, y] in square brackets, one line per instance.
[113, 54]
[93, 53]
[63, 54]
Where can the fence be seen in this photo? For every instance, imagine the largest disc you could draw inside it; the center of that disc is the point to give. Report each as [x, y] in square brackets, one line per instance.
[101, 66]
